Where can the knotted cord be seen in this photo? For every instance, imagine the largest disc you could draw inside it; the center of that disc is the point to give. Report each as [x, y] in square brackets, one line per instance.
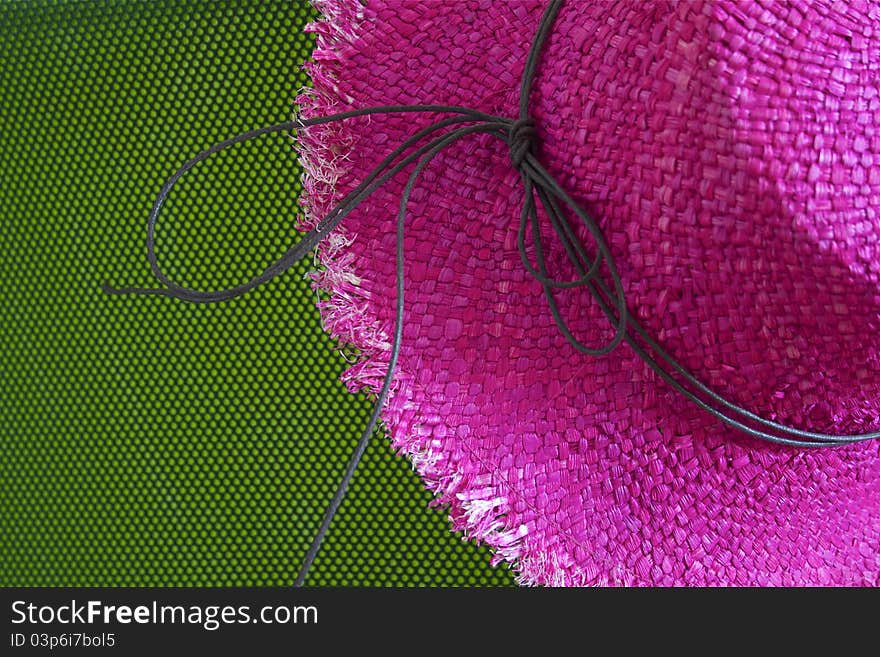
[540, 188]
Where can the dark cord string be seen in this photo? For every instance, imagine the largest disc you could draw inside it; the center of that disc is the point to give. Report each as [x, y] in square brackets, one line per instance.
[540, 190]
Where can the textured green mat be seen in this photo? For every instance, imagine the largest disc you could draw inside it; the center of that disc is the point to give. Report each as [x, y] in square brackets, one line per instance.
[146, 441]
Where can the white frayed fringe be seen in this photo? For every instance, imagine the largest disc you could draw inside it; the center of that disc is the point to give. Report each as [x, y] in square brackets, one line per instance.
[477, 508]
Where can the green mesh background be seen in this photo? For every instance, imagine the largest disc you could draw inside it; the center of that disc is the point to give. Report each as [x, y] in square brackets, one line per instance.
[146, 441]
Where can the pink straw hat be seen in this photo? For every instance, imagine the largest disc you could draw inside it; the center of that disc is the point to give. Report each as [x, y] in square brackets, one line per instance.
[730, 152]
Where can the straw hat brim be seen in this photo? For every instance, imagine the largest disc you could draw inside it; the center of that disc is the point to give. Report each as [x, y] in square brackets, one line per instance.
[729, 153]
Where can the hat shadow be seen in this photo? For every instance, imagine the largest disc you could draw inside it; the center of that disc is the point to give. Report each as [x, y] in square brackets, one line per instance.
[805, 328]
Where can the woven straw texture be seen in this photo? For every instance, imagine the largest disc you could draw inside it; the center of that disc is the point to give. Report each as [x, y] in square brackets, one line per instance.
[148, 441]
[731, 153]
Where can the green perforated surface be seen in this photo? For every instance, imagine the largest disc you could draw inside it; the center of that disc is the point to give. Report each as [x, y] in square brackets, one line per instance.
[146, 441]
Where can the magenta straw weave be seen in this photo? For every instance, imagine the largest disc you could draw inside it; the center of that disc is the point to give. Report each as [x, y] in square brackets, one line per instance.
[731, 152]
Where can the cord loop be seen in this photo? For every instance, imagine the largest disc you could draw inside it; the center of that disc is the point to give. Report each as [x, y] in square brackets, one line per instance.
[541, 190]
